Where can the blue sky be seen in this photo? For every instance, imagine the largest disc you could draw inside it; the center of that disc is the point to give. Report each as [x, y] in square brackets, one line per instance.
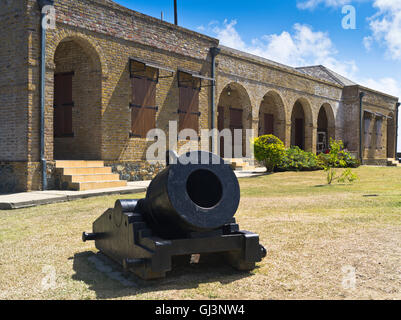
[301, 32]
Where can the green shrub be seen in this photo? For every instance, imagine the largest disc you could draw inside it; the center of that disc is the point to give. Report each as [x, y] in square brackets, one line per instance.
[269, 150]
[296, 159]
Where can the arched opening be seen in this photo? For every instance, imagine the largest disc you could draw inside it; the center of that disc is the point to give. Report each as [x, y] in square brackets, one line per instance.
[234, 112]
[272, 116]
[77, 101]
[302, 125]
[325, 128]
[391, 136]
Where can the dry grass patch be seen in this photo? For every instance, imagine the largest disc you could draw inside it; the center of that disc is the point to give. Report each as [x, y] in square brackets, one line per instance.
[311, 232]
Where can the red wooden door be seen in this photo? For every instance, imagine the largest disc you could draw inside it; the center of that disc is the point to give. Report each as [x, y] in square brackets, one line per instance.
[269, 123]
[236, 123]
[220, 127]
[299, 133]
[63, 104]
[235, 118]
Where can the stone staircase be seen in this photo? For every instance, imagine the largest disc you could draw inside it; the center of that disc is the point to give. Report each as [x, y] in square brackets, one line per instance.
[82, 175]
[239, 164]
[391, 162]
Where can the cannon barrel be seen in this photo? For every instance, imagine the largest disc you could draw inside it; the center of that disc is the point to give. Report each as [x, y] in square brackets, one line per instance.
[194, 197]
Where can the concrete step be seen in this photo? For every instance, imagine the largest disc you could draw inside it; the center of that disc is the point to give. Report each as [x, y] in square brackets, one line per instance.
[79, 164]
[393, 163]
[85, 171]
[92, 185]
[246, 168]
[239, 164]
[91, 177]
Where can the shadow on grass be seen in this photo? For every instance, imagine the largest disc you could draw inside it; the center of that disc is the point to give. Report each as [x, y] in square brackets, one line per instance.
[109, 280]
[259, 174]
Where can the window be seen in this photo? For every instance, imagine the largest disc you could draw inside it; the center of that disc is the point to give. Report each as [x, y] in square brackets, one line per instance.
[63, 105]
[189, 88]
[143, 105]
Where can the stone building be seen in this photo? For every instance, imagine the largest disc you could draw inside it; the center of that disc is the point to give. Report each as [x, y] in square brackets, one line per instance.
[110, 74]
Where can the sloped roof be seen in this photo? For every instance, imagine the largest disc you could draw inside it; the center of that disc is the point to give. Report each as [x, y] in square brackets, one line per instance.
[255, 57]
[321, 72]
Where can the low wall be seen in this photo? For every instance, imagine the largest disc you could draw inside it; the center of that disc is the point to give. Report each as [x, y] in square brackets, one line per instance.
[135, 170]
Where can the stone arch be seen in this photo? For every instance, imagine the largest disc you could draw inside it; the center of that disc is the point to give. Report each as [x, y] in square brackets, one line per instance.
[77, 97]
[391, 134]
[234, 111]
[302, 125]
[272, 115]
[91, 48]
[325, 127]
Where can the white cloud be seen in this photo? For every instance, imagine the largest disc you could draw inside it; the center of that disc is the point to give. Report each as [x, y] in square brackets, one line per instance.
[387, 85]
[303, 46]
[367, 43]
[386, 26]
[312, 4]
[227, 34]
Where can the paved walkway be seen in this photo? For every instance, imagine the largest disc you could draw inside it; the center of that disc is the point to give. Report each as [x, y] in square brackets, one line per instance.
[36, 198]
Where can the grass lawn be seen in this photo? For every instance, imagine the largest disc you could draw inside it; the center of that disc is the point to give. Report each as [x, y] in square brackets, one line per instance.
[314, 235]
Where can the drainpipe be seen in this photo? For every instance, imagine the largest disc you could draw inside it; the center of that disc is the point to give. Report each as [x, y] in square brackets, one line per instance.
[41, 4]
[397, 106]
[214, 51]
[361, 95]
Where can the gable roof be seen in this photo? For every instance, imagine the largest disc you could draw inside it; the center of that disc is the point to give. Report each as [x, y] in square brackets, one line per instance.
[321, 72]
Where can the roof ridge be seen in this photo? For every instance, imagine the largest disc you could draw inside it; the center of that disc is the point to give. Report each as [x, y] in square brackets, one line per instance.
[330, 73]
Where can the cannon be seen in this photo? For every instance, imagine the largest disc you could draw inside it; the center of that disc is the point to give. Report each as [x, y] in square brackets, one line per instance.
[189, 209]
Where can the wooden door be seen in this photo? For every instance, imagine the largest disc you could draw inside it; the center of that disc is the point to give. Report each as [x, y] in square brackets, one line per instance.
[220, 127]
[236, 123]
[269, 123]
[299, 133]
[63, 105]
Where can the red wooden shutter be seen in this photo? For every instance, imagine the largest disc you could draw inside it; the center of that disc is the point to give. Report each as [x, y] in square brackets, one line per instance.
[143, 107]
[150, 107]
[189, 108]
[138, 100]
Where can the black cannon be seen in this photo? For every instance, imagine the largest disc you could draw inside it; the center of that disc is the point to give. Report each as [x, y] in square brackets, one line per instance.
[189, 209]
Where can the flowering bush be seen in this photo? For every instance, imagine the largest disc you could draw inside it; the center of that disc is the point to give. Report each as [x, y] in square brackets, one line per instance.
[337, 157]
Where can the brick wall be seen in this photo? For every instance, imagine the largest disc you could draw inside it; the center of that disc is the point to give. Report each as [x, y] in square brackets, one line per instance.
[13, 81]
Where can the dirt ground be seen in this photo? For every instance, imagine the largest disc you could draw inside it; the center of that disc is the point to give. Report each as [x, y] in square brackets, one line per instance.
[323, 242]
